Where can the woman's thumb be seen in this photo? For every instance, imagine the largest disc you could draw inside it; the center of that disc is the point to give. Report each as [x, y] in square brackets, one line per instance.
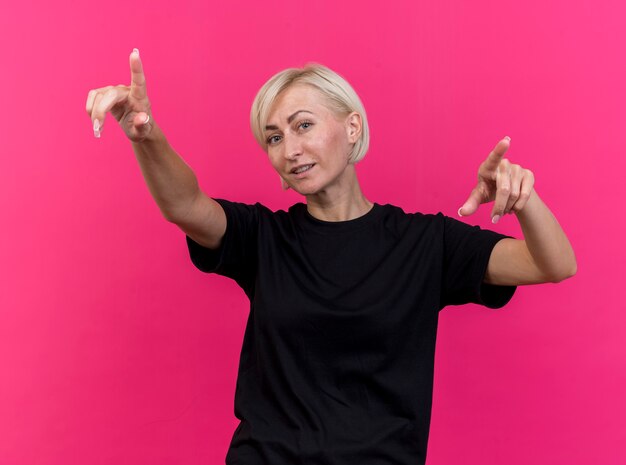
[142, 124]
[471, 204]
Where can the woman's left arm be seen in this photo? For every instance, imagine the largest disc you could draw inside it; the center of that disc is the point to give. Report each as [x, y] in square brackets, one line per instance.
[545, 254]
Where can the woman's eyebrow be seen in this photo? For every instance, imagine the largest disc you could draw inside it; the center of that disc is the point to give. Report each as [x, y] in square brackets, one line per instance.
[271, 127]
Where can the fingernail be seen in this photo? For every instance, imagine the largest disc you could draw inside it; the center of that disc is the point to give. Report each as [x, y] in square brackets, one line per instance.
[96, 128]
[507, 138]
[147, 119]
[459, 212]
[136, 50]
[495, 219]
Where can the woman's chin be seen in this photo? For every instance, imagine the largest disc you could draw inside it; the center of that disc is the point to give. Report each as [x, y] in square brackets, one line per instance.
[305, 192]
[305, 188]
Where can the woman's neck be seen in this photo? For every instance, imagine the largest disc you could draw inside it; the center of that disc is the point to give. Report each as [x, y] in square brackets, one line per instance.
[343, 204]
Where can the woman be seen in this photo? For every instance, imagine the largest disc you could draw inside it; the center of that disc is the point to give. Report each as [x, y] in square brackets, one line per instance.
[337, 359]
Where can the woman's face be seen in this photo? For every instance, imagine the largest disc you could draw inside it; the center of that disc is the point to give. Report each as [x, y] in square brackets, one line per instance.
[307, 143]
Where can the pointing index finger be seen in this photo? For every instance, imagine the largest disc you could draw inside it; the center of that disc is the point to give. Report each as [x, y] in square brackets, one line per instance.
[137, 78]
[495, 156]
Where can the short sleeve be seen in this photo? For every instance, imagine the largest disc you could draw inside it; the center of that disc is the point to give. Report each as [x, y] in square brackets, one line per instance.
[466, 253]
[236, 257]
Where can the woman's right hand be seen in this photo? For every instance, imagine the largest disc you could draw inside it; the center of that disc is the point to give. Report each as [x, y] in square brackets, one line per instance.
[129, 105]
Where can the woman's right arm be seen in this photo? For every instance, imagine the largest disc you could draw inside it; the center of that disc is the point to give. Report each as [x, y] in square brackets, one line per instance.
[171, 181]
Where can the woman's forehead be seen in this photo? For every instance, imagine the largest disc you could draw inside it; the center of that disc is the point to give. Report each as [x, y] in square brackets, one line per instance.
[297, 97]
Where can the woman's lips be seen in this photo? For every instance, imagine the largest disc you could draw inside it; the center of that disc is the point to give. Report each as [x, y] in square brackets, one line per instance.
[299, 173]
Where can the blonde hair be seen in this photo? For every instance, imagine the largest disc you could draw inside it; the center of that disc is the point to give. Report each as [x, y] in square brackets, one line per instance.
[341, 97]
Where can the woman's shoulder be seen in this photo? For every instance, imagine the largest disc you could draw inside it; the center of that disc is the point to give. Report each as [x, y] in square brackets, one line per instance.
[408, 214]
[243, 205]
[390, 215]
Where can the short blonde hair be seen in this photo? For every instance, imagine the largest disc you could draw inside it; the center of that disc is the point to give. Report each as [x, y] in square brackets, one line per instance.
[340, 94]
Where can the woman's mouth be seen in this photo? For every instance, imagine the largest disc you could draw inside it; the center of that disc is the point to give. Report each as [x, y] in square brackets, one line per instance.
[302, 169]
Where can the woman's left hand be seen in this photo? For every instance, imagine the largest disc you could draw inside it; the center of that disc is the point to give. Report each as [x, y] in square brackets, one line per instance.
[500, 180]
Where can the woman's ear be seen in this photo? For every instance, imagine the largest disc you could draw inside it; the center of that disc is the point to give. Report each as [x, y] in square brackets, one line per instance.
[354, 126]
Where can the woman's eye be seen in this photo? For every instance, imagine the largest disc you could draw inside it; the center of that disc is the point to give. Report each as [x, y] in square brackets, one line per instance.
[271, 139]
[275, 139]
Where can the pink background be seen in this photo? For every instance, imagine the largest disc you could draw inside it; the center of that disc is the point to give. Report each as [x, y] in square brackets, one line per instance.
[114, 349]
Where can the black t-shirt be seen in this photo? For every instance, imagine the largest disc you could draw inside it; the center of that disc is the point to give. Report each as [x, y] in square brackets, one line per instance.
[337, 361]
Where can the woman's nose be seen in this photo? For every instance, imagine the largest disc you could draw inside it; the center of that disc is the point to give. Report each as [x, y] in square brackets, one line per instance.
[293, 148]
